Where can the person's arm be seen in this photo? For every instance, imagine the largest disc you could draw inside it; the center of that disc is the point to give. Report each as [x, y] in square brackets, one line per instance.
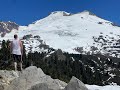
[21, 46]
[10, 46]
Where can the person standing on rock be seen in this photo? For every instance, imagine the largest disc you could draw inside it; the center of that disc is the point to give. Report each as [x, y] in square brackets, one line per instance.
[16, 50]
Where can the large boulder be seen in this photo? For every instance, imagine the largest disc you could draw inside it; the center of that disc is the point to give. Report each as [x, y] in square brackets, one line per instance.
[61, 84]
[41, 86]
[1, 87]
[6, 78]
[32, 76]
[44, 86]
[75, 84]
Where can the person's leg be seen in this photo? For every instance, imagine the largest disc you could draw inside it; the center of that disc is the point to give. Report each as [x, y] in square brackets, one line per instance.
[20, 62]
[21, 66]
[15, 62]
[15, 65]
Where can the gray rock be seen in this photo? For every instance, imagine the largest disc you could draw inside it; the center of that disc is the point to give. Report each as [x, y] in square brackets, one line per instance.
[6, 77]
[29, 77]
[17, 84]
[1, 87]
[61, 84]
[41, 86]
[33, 76]
[75, 84]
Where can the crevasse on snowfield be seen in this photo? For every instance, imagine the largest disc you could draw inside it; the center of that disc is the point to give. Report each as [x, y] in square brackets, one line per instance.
[68, 31]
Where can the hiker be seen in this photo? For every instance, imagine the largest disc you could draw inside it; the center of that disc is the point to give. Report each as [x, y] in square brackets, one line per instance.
[16, 50]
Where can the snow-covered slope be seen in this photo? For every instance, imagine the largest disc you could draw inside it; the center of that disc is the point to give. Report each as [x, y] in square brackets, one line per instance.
[70, 32]
[108, 87]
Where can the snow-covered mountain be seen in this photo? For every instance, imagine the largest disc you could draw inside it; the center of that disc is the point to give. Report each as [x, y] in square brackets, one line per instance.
[74, 33]
[6, 27]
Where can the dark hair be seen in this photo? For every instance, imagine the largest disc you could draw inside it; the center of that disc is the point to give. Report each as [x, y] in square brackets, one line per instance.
[15, 36]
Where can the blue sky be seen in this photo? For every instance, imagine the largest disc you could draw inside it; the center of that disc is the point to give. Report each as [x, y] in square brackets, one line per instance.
[24, 12]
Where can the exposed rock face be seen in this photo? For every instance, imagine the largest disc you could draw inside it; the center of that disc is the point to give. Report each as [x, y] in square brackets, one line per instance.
[41, 86]
[33, 78]
[1, 87]
[75, 84]
[6, 27]
[6, 77]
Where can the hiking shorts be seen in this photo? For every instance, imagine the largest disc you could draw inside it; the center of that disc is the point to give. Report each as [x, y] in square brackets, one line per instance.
[17, 58]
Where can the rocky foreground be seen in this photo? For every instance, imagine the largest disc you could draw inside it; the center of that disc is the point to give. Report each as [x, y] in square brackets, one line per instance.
[33, 78]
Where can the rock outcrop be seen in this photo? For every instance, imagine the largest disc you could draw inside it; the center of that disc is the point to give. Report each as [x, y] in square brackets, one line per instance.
[33, 78]
[7, 27]
[75, 84]
[6, 78]
[41, 86]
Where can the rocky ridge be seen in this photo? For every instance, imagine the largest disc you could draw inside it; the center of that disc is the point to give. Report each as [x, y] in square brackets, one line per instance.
[33, 78]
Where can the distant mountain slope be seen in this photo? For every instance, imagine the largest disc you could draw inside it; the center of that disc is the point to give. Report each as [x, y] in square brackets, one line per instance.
[6, 27]
[75, 33]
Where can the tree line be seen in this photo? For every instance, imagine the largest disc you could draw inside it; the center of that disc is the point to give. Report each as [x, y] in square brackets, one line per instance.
[88, 68]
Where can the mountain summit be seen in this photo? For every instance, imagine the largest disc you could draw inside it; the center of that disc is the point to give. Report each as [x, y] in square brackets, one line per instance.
[63, 13]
